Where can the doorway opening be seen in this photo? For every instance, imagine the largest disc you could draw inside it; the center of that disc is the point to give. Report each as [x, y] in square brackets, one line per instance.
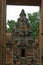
[33, 16]
[23, 53]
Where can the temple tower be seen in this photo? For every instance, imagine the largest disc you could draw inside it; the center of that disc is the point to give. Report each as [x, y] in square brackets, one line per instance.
[23, 52]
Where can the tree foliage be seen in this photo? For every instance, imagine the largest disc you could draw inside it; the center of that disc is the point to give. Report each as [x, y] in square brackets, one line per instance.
[11, 24]
[34, 23]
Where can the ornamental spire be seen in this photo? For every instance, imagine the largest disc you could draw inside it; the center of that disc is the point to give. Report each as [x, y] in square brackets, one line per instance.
[22, 13]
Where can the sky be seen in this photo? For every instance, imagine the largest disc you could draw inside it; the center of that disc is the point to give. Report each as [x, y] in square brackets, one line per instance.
[13, 11]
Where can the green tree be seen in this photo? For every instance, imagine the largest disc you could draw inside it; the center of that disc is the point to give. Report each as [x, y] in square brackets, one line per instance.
[34, 23]
[11, 24]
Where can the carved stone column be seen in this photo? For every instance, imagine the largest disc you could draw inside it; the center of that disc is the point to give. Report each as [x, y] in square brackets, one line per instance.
[41, 33]
[2, 30]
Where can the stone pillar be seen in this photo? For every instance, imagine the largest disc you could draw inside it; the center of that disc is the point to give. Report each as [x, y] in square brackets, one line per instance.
[2, 30]
[41, 32]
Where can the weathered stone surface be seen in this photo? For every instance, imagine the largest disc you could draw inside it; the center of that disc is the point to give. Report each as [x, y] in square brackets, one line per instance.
[2, 30]
[23, 40]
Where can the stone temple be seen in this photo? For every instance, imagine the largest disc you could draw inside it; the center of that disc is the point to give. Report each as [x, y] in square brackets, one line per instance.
[22, 41]
[20, 51]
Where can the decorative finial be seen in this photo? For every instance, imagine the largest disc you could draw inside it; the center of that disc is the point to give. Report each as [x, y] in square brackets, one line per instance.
[22, 13]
